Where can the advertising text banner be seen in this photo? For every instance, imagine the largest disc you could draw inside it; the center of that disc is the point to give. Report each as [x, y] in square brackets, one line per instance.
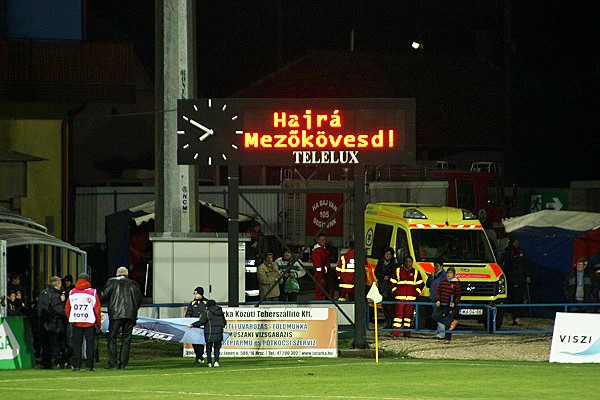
[576, 338]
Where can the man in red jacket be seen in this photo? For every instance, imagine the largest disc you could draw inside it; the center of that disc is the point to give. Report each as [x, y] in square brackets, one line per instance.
[320, 259]
[406, 286]
[83, 309]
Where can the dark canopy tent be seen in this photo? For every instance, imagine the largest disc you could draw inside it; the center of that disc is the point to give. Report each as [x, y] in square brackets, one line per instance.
[552, 242]
[127, 231]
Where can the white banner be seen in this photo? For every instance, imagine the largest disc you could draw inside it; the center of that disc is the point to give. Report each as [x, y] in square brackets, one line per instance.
[279, 332]
[576, 338]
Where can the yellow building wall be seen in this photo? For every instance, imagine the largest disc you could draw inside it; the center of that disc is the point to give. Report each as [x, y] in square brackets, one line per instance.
[40, 138]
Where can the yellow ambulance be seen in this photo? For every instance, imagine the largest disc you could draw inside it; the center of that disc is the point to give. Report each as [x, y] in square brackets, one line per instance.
[428, 233]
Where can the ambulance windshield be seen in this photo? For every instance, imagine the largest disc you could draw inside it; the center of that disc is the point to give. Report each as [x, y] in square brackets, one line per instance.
[455, 245]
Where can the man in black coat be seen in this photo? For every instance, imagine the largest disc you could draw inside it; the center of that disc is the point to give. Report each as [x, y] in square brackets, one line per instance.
[51, 311]
[123, 297]
[515, 268]
[213, 320]
[194, 310]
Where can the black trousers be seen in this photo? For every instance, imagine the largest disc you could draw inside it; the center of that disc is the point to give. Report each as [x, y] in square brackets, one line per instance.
[209, 349]
[516, 295]
[198, 351]
[125, 327]
[77, 336]
[48, 348]
[444, 315]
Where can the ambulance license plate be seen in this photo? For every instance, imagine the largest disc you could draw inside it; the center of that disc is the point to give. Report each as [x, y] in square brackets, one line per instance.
[470, 311]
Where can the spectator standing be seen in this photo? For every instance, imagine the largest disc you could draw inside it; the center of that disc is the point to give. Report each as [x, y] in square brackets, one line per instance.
[447, 297]
[267, 275]
[433, 281]
[194, 310]
[579, 286]
[83, 310]
[288, 291]
[386, 266]
[257, 248]
[123, 298]
[14, 284]
[321, 265]
[68, 284]
[214, 323]
[345, 275]
[51, 311]
[14, 305]
[515, 268]
[406, 286]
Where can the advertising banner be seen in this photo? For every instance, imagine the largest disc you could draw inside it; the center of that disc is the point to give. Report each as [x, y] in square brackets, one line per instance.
[16, 350]
[319, 208]
[576, 338]
[281, 332]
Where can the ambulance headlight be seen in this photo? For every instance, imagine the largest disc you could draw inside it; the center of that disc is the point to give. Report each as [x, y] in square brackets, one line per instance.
[413, 214]
[468, 214]
[501, 285]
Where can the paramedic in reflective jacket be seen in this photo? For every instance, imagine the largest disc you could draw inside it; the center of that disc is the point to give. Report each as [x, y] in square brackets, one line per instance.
[123, 298]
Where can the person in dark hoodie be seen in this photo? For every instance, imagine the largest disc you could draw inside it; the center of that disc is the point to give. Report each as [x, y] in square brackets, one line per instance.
[83, 310]
[214, 322]
[51, 311]
[194, 310]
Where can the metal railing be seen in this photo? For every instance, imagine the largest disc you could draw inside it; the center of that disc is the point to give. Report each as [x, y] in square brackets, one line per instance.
[490, 316]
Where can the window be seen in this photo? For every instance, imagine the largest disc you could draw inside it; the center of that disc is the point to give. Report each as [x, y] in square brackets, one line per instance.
[451, 245]
[401, 244]
[381, 240]
[465, 195]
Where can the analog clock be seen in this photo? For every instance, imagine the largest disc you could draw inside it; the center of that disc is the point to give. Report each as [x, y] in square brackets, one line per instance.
[209, 131]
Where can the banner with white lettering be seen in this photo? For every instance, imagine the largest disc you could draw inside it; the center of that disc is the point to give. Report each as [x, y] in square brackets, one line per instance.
[168, 329]
[319, 208]
[281, 332]
[576, 338]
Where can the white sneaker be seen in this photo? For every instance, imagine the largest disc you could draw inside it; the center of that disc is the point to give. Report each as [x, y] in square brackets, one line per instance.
[216, 364]
[209, 365]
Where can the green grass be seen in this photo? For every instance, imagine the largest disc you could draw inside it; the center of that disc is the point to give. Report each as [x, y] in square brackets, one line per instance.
[157, 371]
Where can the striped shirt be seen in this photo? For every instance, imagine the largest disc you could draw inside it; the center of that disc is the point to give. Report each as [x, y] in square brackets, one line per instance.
[447, 290]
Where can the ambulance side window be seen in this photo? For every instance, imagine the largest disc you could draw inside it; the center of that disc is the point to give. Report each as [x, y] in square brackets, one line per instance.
[401, 244]
[381, 240]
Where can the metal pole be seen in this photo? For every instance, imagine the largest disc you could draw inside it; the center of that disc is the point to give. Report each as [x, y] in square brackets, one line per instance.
[233, 235]
[360, 307]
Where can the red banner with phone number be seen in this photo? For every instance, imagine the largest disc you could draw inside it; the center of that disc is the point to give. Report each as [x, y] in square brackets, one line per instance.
[319, 208]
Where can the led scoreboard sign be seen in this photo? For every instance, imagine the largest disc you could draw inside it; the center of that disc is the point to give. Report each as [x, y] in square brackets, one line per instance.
[295, 131]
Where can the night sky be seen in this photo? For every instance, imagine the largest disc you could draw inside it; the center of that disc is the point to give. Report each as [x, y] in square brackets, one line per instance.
[555, 58]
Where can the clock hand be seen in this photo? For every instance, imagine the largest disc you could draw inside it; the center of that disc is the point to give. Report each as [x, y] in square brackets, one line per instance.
[199, 125]
[207, 134]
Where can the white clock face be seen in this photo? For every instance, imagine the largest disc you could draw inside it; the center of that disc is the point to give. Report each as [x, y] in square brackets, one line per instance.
[209, 132]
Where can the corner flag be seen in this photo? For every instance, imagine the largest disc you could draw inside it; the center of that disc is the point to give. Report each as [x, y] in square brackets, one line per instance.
[374, 294]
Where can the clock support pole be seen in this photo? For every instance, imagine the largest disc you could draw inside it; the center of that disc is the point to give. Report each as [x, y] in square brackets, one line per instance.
[233, 234]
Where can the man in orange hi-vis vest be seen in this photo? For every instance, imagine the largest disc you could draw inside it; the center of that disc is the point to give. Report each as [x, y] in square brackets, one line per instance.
[406, 286]
[345, 274]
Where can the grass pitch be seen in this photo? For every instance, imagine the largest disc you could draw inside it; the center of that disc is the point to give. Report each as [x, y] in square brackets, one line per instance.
[157, 371]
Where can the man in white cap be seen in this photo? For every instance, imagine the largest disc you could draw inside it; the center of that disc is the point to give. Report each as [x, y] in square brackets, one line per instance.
[123, 298]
